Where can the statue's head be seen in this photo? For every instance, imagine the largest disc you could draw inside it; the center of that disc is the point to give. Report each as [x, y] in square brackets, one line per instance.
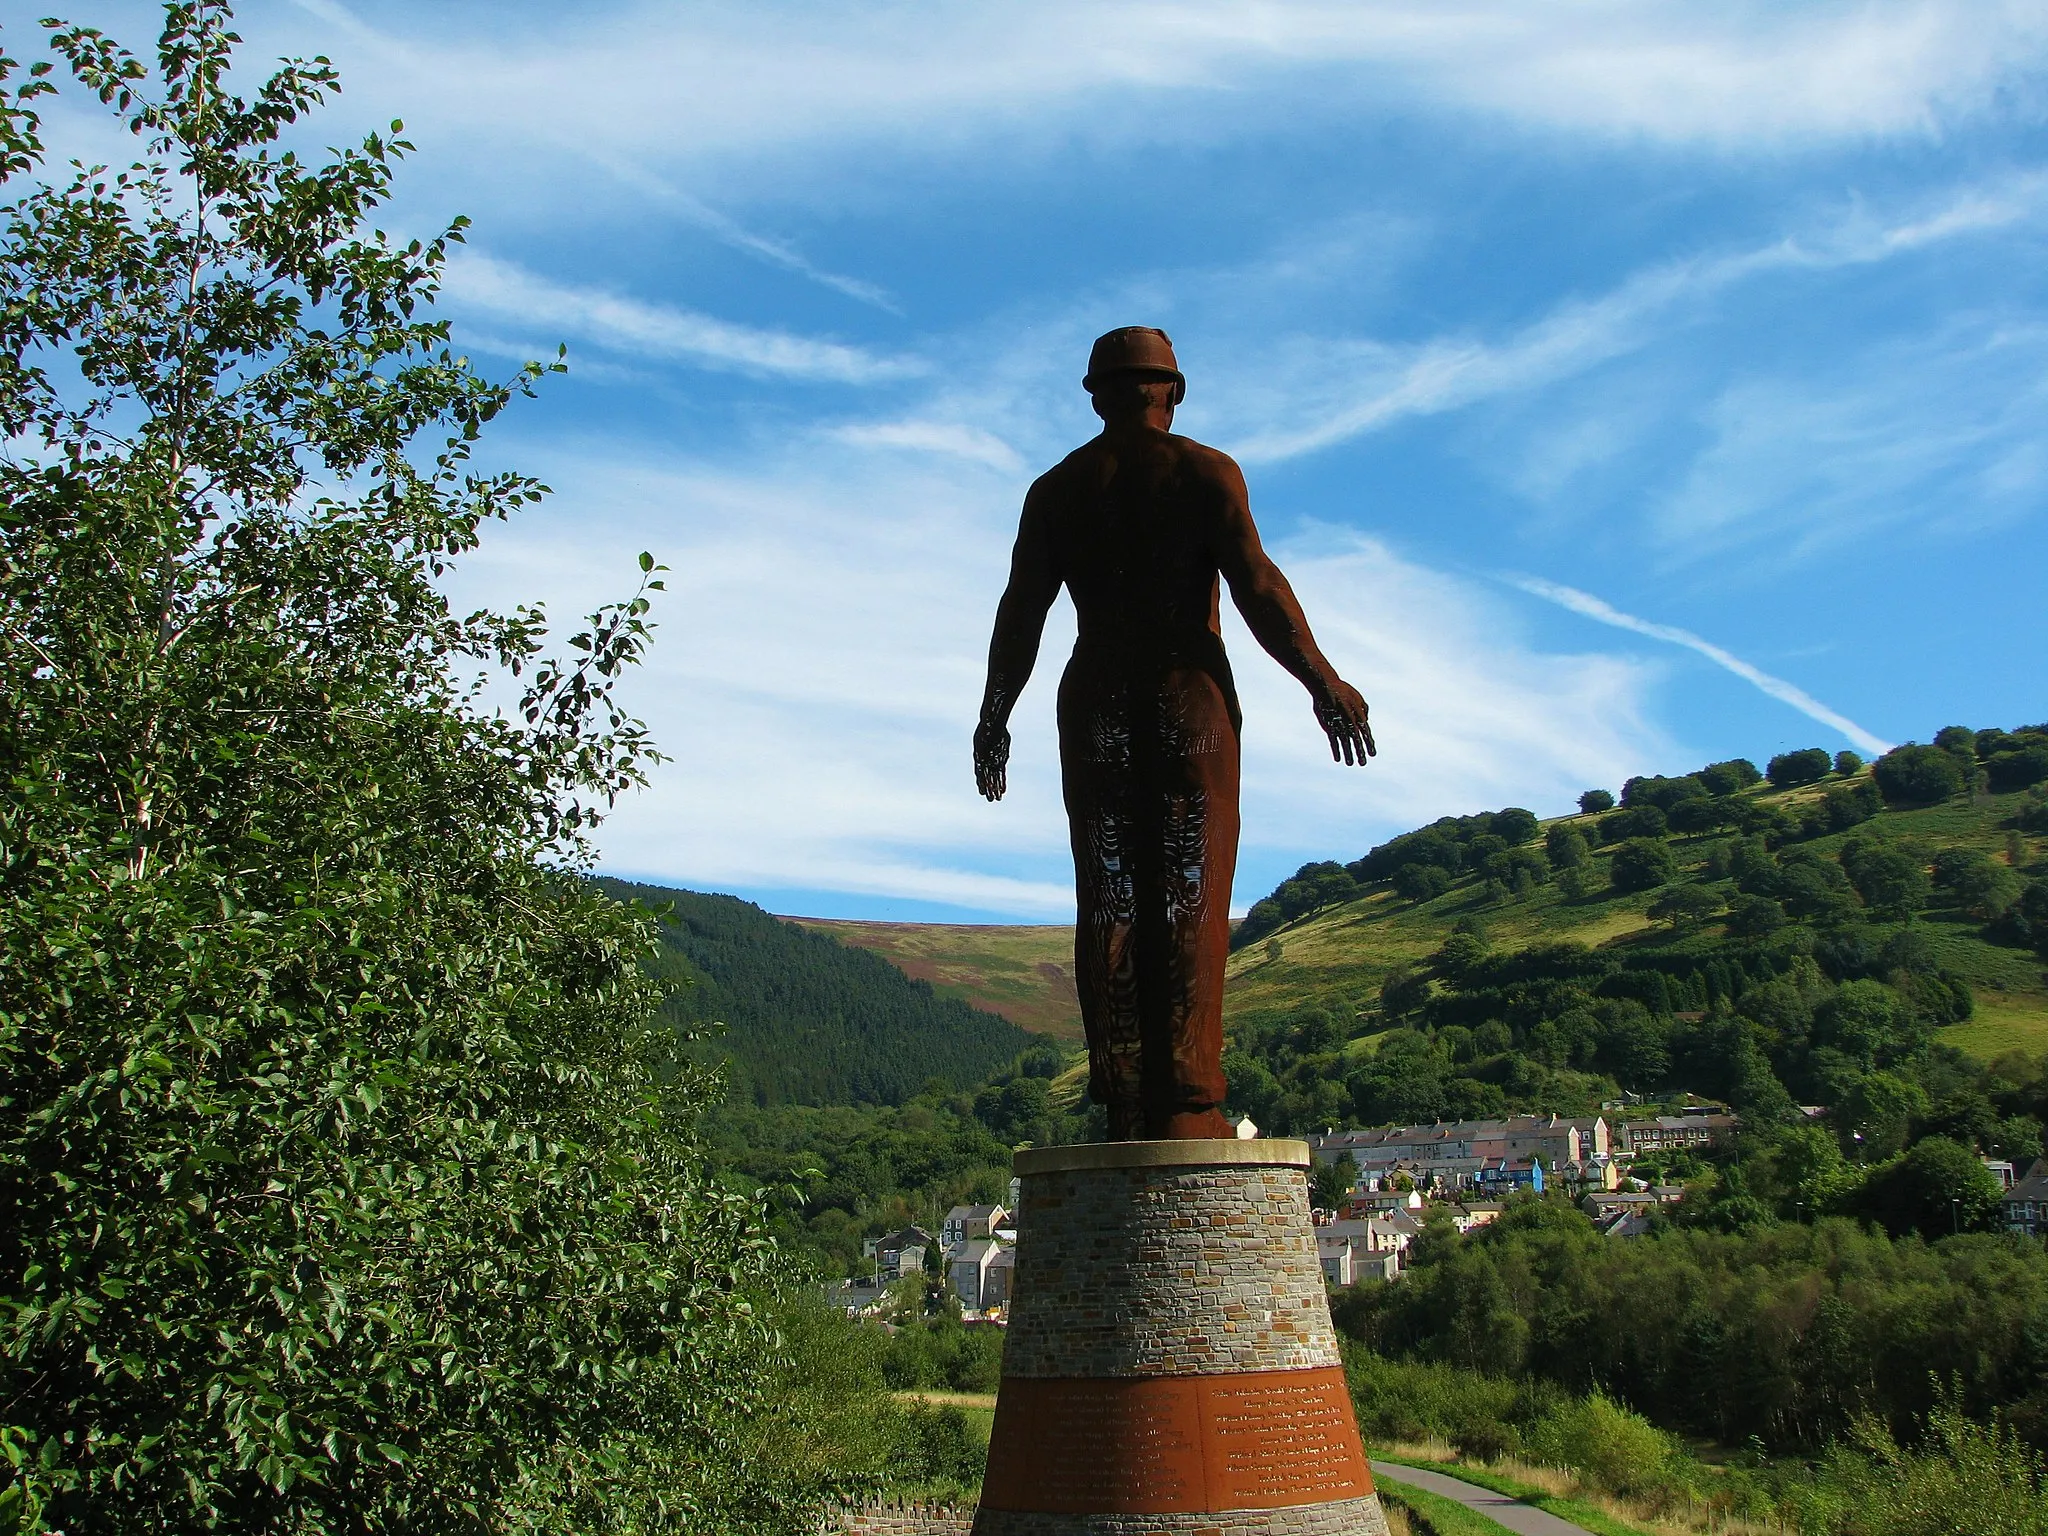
[1131, 368]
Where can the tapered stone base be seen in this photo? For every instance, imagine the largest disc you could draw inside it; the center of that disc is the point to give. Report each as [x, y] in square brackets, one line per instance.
[1170, 1365]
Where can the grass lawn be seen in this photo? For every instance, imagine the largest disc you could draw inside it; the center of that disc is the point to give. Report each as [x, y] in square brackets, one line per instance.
[1442, 1516]
[1598, 1521]
[2002, 1022]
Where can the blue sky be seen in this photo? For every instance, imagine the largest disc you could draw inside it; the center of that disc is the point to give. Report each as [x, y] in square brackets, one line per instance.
[1623, 385]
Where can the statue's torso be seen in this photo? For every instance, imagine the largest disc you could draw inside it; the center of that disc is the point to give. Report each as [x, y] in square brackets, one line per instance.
[1132, 528]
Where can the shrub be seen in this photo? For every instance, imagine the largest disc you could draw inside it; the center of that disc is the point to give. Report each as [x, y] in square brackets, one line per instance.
[1565, 846]
[1421, 882]
[349, 1182]
[1753, 917]
[1685, 906]
[1613, 1449]
[1705, 815]
[1514, 825]
[1641, 864]
[2009, 771]
[1638, 821]
[1889, 880]
[1737, 773]
[1936, 1188]
[1917, 775]
[1847, 764]
[1594, 801]
[1661, 792]
[1849, 805]
[1808, 765]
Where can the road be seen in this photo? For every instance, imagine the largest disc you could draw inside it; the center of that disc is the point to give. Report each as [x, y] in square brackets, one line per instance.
[1525, 1519]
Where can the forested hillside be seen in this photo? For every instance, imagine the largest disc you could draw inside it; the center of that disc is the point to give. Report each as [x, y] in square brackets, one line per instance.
[807, 1019]
[1861, 937]
[1025, 972]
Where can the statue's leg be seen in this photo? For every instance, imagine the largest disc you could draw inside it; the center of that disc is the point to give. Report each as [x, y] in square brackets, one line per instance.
[1096, 778]
[1195, 799]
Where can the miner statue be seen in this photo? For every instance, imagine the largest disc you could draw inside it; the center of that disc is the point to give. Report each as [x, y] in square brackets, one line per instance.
[1142, 527]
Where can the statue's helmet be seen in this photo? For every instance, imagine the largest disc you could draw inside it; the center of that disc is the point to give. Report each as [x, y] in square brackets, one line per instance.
[1135, 349]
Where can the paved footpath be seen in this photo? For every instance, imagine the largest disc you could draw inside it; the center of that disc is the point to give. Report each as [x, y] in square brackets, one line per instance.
[1525, 1519]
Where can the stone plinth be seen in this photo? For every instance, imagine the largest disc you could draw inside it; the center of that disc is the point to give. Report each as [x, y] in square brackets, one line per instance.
[1170, 1366]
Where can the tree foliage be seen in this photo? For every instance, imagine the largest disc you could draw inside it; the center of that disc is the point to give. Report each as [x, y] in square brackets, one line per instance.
[806, 1019]
[341, 1188]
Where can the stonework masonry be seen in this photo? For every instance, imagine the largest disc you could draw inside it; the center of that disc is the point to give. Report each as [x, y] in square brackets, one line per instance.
[909, 1520]
[1167, 1271]
[1170, 1368]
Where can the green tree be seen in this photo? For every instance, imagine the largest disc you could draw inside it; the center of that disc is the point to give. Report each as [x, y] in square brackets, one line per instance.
[1594, 801]
[1891, 881]
[1642, 864]
[1848, 764]
[1685, 906]
[1565, 846]
[1808, 765]
[1916, 775]
[347, 1187]
[1514, 825]
[1330, 1184]
[1936, 1188]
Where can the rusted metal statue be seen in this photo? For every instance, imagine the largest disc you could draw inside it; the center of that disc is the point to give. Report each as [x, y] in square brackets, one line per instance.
[1140, 526]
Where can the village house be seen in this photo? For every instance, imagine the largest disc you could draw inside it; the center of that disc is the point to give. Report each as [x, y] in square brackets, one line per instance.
[2026, 1203]
[968, 1268]
[1691, 1131]
[1349, 1251]
[897, 1254]
[966, 1222]
[1458, 1144]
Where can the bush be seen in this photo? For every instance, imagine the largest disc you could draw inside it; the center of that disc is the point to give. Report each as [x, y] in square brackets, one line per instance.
[1638, 821]
[1421, 882]
[1890, 881]
[1705, 815]
[1609, 1447]
[1565, 846]
[1594, 801]
[350, 1184]
[1754, 917]
[2009, 771]
[1514, 825]
[1916, 775]
[1738, 773]
[1849, 805]
[1936, 1188]
[1642, 864]
[1661, 792]
[1963, 1476]
[1848, 764]
[1808, 765]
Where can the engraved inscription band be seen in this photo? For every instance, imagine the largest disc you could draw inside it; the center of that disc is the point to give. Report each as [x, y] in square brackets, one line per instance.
[1174, 1444]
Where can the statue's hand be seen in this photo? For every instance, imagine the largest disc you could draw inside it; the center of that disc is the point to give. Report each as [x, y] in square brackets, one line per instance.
[1345, 720]
[991, 760]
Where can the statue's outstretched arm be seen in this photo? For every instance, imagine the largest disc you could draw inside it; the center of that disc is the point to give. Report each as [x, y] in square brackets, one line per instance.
[1273, 614]
[1013, 648]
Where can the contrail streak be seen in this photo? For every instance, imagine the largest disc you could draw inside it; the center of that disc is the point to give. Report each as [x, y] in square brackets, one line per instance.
[1591, 607]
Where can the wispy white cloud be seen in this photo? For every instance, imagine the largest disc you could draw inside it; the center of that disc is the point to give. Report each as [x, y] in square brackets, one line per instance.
[1941, 433]
[947, 437]
[1591, 607]
[819, 662]
[503, 289]
[1329, 391]
[713, 81]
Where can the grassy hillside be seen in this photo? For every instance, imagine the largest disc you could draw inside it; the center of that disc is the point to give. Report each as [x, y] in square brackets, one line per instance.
[1024, 973]
[809, 1020]
[1340, 957]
